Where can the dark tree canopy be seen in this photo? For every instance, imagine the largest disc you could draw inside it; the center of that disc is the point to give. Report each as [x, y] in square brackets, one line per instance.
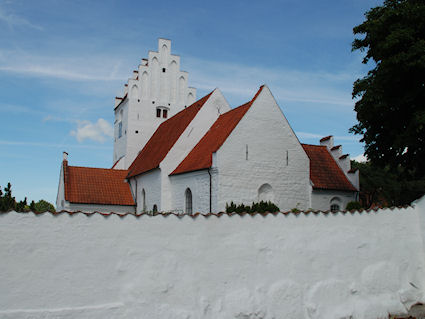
[391, 98]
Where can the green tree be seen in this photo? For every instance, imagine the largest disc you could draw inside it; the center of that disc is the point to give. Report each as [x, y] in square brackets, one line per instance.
[7, 201]
[391, 97]
[43, 206]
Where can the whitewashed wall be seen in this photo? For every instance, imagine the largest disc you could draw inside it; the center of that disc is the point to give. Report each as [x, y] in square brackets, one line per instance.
[270, 140]
[199, 184]
[286, 266]
[151, 183]
[321, 199]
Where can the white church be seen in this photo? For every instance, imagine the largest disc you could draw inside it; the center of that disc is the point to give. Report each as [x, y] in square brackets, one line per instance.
[174, 153]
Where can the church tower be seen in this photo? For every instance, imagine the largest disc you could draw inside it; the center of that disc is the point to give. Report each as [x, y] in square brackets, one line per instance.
[156, 91]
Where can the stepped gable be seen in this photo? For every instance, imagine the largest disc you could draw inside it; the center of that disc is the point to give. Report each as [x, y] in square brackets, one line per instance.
[88, 185]
[201, 155]
[164, 138]
[324, 171]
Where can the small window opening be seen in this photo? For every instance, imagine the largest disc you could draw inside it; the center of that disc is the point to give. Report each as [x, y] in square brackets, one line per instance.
[163, 70]
[137, 132]
[143, 200]
[153, 102]
[334, 208]
[155, 208]
[188, 195]
[164, 113]
[246, 151]
[158, 112]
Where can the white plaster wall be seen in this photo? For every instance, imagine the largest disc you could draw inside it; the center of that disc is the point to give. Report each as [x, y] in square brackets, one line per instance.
[204, 119]
[296, 266]
[60, 197]
[75, 207]
[151, 183]
[269, 137]
[199, 184]
[120, 144]
[321, 199]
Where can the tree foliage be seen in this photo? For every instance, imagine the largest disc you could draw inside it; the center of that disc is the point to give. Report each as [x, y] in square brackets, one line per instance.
[8, 202]
[391, 97]
[385, 187]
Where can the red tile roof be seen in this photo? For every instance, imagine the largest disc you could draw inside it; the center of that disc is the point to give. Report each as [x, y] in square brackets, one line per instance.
[88, 185]
[324, 171]
[163, 139]
[201, 155]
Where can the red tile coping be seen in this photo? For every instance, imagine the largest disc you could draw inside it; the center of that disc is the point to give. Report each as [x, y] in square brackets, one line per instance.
[164, 138]
[89, 185]
[122, 100]
[324, 171]
[344, 156]
[220, 214]
[335, 147]
[201, 155]
[326, 138]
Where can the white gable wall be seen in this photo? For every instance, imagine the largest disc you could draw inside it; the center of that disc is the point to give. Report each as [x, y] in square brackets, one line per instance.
[269, 138]
[204, 119]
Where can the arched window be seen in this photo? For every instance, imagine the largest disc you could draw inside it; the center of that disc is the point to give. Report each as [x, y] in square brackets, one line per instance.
[120, 124]
[265, 193]
[188, 196]
[155, 208]
[143, 200]
[335, 204]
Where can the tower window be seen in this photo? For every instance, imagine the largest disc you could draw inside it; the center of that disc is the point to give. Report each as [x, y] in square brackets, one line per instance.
[137, 132]
[163, 70]
[158, 112]
[164, 113]
[119, 129]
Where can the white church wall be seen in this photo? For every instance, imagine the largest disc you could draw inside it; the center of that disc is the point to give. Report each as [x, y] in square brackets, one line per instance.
[275, 157]
[87, 208]
[204, 119]
[199, 184]
[151, 183]
[322, 199]
[364, 265]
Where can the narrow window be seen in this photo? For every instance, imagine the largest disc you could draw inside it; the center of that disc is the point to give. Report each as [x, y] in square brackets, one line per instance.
[158, 112]
[163, 70]
[143, 200]
[119, 129]
[155, 208]
[164, 113]
[188, 195]
[246, 151]
[137, 131]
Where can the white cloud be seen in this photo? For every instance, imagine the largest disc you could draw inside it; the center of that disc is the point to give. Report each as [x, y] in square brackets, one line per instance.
[306, 135]
[99, 131]
[361, 158]
[13, 20]
[288, 84]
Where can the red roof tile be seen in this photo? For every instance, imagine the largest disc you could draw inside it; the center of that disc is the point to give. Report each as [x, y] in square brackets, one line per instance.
[88, 185]
[324, 171]
[201, 155]
[163, 139]
[325, 138]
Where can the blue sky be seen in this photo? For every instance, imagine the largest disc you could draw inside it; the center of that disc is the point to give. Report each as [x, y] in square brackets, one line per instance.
[63, 62]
